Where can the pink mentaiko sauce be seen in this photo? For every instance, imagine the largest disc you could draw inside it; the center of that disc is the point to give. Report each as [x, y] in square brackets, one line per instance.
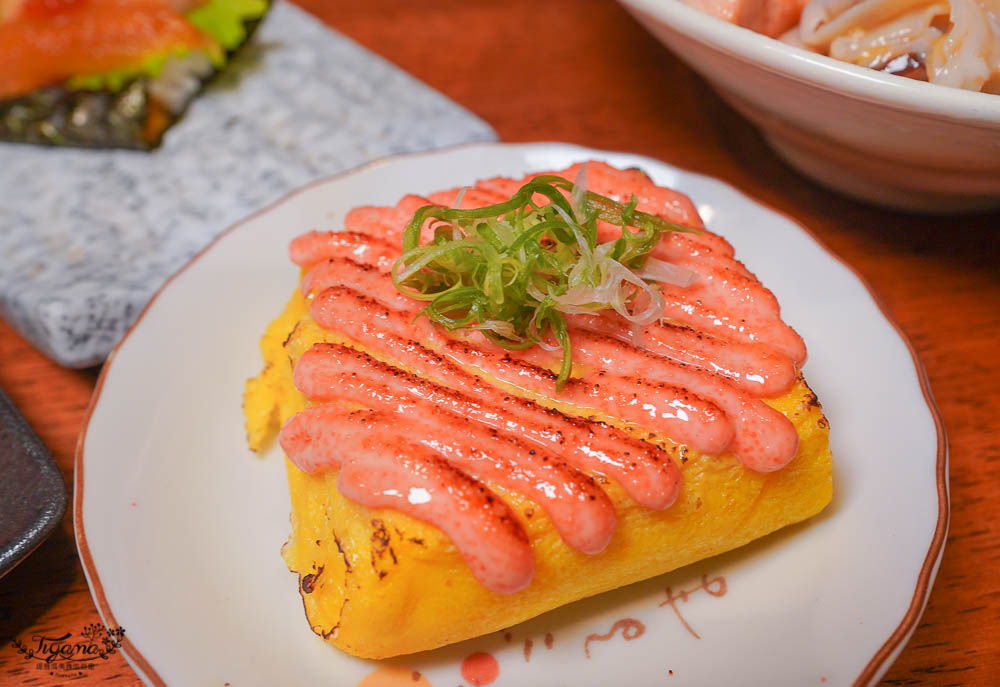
[698, 376]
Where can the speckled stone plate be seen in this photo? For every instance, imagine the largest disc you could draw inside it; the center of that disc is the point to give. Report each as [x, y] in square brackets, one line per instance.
[32, 493]
[179, 525]
[87, 236]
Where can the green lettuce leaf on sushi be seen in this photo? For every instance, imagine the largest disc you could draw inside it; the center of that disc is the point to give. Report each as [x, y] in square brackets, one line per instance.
[224, 20]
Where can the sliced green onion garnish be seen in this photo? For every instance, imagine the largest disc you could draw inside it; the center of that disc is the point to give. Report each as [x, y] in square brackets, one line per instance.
[511, 270]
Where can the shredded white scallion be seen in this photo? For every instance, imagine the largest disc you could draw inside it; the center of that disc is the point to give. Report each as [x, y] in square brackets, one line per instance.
[658, 270]
[514, 270]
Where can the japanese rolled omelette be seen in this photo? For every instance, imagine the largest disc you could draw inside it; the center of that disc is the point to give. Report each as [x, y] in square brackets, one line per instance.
[446, 484]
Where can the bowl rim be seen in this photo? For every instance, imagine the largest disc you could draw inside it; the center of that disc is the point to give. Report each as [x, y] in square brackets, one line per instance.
[934, 100]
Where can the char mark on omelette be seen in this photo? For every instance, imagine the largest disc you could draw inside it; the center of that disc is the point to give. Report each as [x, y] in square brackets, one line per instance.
[646, 472]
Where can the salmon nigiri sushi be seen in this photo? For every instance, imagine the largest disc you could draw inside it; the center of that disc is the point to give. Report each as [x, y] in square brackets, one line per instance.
[111, 73]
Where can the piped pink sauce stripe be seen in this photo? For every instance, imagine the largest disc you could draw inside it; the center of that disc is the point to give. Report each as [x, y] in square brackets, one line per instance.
[381, 469]
[763, 439]
[364, 278]
[315, 246]
[645, 471]
[686, 251]
[620, 185]
[579, 509]
[735, 322]
[755, 369]
[761, 354]
[673, 411]
[755, 419]
[726, 297]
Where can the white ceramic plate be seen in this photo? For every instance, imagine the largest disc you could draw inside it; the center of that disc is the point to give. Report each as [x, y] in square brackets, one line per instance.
[179, 525]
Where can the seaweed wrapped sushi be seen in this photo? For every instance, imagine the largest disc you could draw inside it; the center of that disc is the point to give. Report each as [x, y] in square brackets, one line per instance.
[111, 73]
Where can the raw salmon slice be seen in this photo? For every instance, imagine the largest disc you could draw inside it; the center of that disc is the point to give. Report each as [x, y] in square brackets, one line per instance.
[49, 41]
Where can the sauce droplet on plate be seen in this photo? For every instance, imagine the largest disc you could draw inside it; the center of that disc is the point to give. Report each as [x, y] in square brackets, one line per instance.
[480, 669]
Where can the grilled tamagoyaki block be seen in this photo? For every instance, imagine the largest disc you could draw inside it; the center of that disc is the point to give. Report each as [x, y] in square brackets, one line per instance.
[378, 583]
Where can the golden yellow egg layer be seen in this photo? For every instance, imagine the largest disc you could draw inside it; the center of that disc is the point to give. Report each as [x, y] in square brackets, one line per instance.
[378, 583]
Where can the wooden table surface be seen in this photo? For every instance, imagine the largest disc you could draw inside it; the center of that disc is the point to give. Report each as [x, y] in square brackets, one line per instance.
[585, 72]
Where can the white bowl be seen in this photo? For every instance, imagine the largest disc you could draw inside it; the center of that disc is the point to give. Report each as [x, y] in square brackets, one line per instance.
[881, 138]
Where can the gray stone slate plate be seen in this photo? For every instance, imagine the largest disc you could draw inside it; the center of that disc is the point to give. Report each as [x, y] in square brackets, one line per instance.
[87, 237]
[32, 493]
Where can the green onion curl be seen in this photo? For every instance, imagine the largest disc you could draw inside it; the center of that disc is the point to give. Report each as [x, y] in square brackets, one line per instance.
[512, 270]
